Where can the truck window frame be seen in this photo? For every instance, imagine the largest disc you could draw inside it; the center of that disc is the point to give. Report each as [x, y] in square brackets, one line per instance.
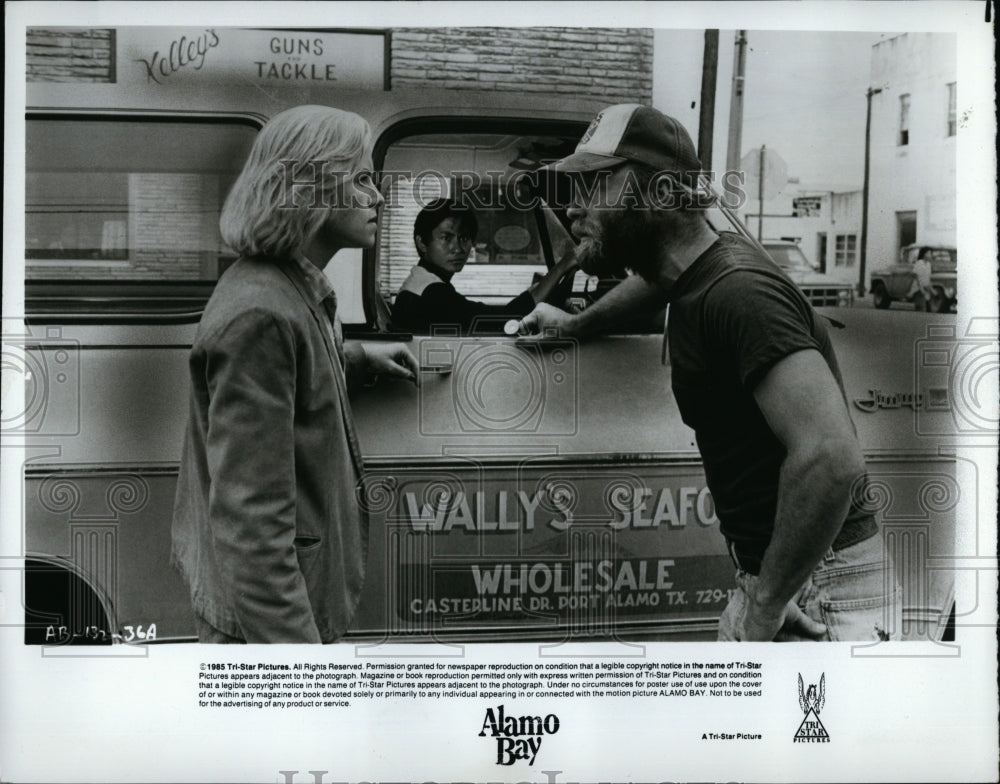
[443, 124]
[116, 302]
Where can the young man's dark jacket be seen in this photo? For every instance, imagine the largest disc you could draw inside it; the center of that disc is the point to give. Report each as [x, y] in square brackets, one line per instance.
[426, 301]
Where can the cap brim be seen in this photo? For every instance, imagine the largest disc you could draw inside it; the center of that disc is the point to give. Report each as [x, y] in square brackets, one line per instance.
[583, 161]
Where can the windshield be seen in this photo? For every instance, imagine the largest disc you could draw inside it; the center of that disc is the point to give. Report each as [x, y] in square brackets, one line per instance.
[943, 258]
[940, 258]
[788, 257]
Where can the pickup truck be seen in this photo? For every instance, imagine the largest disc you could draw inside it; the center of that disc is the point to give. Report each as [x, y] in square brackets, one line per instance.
[821, 290]
[896, 283]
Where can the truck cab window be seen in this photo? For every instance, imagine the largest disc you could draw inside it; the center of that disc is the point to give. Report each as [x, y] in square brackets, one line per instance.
[520, 234]
[123, 198]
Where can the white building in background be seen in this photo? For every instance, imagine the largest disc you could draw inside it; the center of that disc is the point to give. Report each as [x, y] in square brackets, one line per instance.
[822, 213]
[826, 225]
[911, 196]
[912, 159]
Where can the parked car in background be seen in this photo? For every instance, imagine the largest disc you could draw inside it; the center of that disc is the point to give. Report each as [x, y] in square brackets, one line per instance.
[896, 284]
[821, 290]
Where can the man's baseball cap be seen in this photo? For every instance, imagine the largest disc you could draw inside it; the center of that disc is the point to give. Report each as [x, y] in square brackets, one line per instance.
[632, 132]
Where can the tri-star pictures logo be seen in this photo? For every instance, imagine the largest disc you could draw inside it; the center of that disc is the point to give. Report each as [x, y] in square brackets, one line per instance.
[518, 738]
[811, 700]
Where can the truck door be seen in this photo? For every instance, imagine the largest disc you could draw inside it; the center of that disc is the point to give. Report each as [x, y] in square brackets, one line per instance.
[525, 492]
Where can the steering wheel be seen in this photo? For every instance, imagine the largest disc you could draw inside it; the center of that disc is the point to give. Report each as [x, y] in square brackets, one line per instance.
[563, 290]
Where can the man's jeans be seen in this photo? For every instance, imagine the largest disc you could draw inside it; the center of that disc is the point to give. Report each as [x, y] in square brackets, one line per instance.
[853, 591]
[208, 633]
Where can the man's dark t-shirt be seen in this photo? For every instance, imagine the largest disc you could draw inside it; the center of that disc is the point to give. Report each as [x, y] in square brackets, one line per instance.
[733, 315]
[427, 301]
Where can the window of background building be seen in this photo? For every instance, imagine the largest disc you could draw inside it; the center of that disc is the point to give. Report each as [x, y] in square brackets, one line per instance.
[128, 199]
[904, 119]
[952, 106]
[846, 250]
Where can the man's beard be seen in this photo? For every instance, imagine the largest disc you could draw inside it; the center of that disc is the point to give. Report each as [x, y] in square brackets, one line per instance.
[628, 240]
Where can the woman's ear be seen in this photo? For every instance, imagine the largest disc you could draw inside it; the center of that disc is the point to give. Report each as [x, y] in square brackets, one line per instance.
[421, 245]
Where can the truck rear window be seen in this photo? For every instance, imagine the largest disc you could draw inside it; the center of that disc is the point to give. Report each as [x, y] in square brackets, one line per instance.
[128, 198]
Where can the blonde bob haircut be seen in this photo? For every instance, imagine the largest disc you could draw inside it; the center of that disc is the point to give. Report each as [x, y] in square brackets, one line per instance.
[277, 203]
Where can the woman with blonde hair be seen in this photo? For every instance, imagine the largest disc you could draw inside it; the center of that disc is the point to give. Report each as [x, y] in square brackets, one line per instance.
[269, 531]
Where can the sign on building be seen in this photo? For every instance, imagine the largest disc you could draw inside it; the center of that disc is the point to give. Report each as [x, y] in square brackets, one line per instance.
[807, 206]
[179, 56]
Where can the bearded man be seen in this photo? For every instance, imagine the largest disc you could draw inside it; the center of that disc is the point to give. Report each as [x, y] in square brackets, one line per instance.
[754, 374]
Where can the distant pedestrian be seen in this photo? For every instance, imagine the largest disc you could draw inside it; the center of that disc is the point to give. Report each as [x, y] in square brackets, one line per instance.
[921, 291]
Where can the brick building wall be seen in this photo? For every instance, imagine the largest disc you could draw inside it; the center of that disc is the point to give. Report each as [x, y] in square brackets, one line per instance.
[70, 55]
[169, 230]
[173, 220]
[615, 64]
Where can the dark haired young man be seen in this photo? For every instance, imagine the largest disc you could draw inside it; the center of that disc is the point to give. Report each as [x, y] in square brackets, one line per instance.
[444, 233]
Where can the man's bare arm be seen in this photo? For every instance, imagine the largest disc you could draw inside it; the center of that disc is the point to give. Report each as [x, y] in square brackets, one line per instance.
[804, 408]
[629, 298]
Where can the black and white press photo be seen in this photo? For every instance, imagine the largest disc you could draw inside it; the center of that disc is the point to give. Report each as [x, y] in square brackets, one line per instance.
[471, 375]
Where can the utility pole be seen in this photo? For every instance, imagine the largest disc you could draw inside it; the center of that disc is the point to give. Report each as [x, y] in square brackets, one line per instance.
[760, 194]
[706, 119]
[864, 193]
[733, 152]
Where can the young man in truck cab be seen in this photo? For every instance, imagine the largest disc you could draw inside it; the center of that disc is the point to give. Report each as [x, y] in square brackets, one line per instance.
[754, 374]
[444, 233]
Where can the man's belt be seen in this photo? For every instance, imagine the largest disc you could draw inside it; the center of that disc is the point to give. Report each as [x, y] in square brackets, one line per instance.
[853, 531]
